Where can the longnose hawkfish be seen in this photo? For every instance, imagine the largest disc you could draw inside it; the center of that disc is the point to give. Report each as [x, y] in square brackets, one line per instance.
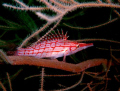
[53, 46]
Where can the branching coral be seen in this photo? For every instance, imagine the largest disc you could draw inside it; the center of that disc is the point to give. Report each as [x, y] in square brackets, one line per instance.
[61, 8]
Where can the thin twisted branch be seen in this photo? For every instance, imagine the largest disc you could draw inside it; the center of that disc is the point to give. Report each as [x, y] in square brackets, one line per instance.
[97, 26]
[68, 75]
[34, 34]
[3, 87]
[103, 40]
[42, 79]
[73, 86]
[48, 32]
[4, 57]
[9, 81]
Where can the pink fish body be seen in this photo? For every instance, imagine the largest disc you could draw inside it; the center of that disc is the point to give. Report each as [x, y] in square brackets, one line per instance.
[57, 46]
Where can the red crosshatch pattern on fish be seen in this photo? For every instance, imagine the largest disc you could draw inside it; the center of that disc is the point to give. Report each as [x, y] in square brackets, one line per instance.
[53, 46]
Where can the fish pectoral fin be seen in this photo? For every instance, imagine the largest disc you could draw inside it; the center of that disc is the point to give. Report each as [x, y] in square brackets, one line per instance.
[64, 58]
[65, 54]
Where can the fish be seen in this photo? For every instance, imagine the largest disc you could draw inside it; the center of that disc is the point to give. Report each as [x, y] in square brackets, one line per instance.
[53, 46]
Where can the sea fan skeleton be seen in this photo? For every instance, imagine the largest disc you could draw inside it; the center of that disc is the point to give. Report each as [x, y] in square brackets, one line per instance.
[53, 46]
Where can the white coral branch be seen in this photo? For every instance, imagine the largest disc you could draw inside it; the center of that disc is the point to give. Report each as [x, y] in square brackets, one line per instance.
[60, 7]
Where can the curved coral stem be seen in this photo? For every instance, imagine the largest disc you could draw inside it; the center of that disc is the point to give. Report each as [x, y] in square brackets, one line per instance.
[75, 68]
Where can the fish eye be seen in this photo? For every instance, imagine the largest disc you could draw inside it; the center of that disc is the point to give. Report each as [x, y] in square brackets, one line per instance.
[78, 46]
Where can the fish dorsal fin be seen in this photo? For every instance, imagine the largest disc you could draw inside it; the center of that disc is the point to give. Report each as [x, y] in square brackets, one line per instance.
[55, 36]
[52, 36]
